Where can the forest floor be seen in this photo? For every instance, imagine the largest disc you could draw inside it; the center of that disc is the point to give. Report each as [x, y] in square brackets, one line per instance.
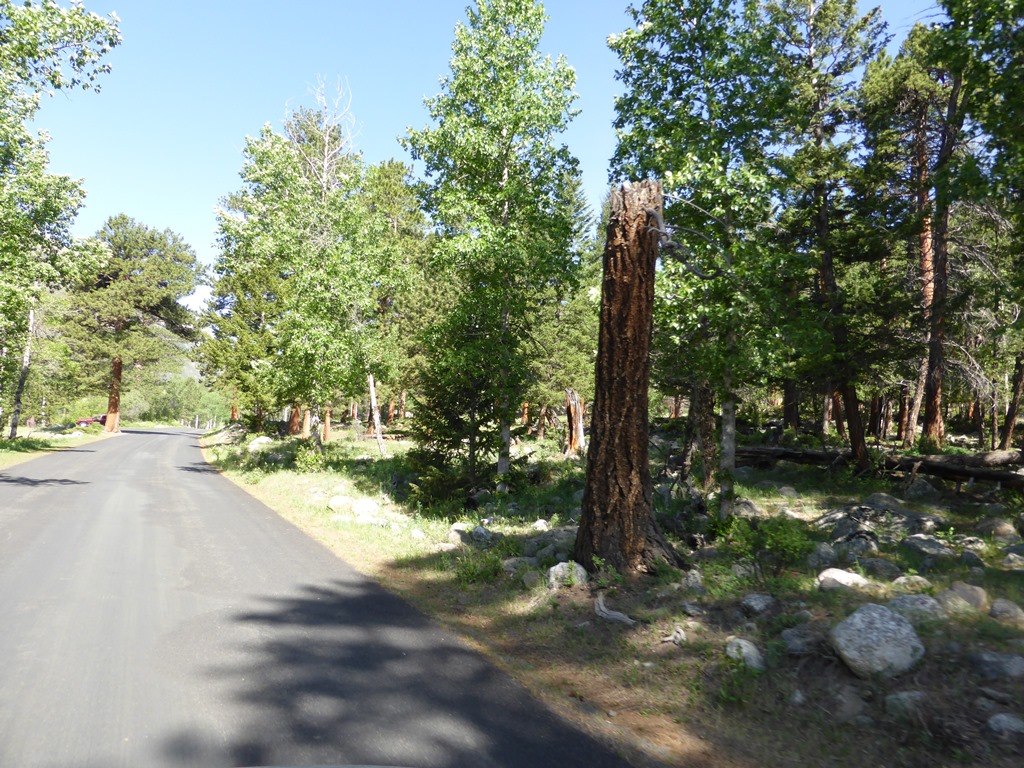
[664, 703]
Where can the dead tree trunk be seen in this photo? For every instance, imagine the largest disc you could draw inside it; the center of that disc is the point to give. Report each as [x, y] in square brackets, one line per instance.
[375, 413]
[575, 442]
[617, 523]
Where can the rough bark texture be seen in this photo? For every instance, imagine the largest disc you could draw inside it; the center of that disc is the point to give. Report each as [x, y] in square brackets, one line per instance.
[26, 362]
[306, 424]
[113, 423]
[1013, 406]
[617, 523]
[327, 425]
[790, 405]
[295, 420]
[575, 442]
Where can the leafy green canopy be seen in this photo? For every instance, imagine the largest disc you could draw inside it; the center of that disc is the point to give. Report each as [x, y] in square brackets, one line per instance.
[500, 190]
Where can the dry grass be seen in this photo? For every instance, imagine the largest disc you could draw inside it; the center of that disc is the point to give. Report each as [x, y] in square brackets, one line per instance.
[658, 703]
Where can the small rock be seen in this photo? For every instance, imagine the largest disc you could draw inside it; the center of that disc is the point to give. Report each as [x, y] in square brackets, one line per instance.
[923, 544]
[913, 583]
[692, 609]
[1013, 562]
[802, 640]
[741, 571]
[789, 492]
[1005, 725]
[259, 443]
[481, 535]
[875, 640]
[738, 649]
[991, 665]
[541, 525]
[836, 578]
[849, 704]
[976, 596]
[531, 579]
[856, 547]
[921, 489]
[566, 574]
[417, 534]
[757, 603]
[880, 568]
[797, 698]
[883, 501]
[512, 565]
[1002, 531]
[1007, 612]
[971, 559]
[693, 580]
[747, 509]
[823, 556]
[905, 705]
[954, 604]
[917, 608]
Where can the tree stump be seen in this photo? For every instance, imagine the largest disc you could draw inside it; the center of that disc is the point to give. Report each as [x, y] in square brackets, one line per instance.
[617, 523]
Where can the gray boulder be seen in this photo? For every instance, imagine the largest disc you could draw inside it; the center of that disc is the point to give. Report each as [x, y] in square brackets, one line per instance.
[803, 640]
[738, 649]
[929, 546]
[1005, 725]
[259, 443]
[905, 705]
[976, 596]
[991, 665]
[921, 490]
[747, 509]
[1007, 612]
[823, 556]
[876, 641]
[880, 568]
[566, 574]
[917, 608]
[912, 583]
[954, 604]
[757, 603]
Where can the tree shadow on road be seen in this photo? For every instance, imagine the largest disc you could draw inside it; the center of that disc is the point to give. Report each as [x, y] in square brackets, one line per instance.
[33, 482]
[349, 673]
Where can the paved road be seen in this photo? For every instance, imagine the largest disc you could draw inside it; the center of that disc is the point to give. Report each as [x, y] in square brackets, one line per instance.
[152, 614]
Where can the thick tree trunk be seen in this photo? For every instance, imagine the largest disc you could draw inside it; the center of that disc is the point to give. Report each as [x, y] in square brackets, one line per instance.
[575, 442]
[617, 523]
[306, 424]
[26, 362]
[375, 411]
[837, 414]
[915, 407]
[524, 414]
[326, 435]
[401, 404]
[542, 422]
[391, 410]
[1013, 405]
[858, 446]
[113, 423]
[295, 419]
[234, 412]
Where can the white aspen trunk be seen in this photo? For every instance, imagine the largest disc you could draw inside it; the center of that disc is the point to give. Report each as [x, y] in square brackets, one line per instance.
[376, 415]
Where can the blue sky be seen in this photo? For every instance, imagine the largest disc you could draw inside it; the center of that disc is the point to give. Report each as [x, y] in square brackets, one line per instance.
[162, 141]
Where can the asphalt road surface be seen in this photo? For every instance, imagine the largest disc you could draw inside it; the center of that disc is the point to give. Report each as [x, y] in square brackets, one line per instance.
[153, 614]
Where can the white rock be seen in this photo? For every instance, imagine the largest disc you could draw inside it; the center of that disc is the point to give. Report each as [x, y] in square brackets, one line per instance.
[365, 507]
[417, 534]
[1005, 724]
[566, 573]
[876, 641]
[541, 525]
[837, 578]
[1007, 612]
[339, 503]
[743, 650]
[259, 443]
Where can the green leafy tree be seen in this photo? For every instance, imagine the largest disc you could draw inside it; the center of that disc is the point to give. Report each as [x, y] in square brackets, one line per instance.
[129, 313]
[497, 188]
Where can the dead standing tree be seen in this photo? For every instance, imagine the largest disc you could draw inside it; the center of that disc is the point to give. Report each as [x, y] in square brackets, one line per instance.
[617, 522]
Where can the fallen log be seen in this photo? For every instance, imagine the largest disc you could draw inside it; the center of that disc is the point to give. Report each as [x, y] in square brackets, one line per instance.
[966, 467]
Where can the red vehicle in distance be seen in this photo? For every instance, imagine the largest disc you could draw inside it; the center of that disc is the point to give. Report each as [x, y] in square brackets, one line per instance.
[100, 418]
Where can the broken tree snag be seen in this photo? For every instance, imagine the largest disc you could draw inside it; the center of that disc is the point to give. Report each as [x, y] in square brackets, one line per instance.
[616, 522]
[575, 443]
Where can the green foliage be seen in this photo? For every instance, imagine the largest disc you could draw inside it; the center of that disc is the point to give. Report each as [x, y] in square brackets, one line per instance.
[504, 198]
[309, 458]
[772, 544]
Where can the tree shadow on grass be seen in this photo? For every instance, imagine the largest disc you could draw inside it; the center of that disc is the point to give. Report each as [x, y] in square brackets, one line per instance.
[348, 673]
